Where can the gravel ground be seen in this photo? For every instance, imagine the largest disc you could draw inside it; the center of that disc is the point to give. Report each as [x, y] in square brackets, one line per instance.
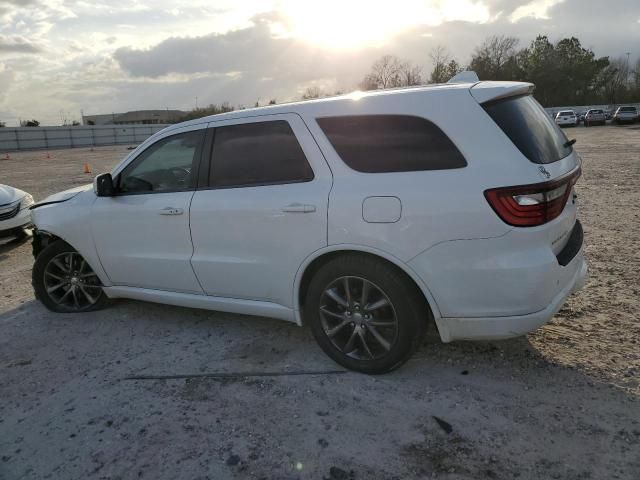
[561, 403]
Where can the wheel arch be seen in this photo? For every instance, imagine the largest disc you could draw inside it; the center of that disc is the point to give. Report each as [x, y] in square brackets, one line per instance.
[314, 261]
[53, 234]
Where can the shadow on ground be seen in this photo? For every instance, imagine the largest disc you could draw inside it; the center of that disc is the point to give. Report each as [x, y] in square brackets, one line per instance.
[67, 411]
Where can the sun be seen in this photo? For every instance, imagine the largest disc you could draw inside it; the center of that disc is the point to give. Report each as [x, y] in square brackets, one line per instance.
[344, 24]
[352, 24]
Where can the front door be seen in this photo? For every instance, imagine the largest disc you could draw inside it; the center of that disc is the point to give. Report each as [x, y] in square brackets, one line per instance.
[142, 233]
[264, 209]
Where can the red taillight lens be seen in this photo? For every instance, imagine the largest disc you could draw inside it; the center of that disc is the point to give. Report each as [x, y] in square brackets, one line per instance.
[532, 205]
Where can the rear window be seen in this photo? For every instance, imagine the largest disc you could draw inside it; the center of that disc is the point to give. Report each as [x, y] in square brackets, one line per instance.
[628, 109]
[566, 113]
[391, 143]
[530, 129]
[595, 111]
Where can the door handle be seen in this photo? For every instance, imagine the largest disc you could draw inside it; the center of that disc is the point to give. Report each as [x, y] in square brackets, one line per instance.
[171, 211]
[299, 208]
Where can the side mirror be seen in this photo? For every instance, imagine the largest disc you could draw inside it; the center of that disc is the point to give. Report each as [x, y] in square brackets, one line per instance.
[103, 185]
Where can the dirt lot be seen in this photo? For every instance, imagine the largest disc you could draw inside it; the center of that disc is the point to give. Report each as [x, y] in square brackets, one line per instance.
[562, 403]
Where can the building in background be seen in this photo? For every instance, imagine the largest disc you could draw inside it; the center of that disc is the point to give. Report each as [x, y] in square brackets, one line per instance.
[137, 117]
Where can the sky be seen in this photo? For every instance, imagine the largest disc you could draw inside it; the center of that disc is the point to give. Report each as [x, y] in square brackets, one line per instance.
[59, 58]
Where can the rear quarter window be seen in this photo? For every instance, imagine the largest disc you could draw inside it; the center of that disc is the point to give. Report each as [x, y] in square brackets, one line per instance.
[530, 129]
[391, 143]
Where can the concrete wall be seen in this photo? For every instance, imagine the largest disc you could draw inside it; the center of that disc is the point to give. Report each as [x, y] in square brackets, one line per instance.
[45, 138]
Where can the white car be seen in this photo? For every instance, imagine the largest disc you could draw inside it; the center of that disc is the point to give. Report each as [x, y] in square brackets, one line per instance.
[14, 213]
[364, 216]
[627, 114]
[567, 118]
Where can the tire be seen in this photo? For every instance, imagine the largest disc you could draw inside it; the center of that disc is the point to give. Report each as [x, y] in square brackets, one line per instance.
[395, 309]
[64, 282]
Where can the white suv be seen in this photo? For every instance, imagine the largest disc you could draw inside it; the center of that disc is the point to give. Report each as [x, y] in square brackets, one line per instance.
[567, 118]
[364, 216]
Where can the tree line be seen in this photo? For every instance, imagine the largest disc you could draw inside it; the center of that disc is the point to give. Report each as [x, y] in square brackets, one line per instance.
[564, 72]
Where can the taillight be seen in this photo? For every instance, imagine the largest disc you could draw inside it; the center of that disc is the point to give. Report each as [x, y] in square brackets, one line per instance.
[532, 205]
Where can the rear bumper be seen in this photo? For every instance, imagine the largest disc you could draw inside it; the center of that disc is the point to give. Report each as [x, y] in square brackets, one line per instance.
[564, 123]
[495, 328]
[505, 286]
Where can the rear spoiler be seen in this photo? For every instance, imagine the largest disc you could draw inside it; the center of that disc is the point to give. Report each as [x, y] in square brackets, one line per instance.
[485, 92]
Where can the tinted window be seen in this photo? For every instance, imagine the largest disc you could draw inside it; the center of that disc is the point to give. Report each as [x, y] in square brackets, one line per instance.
[628, 109]
[390, 143]
[595, 111]
[529, 127]
[166, 166]
[566, 114]
[257, 154]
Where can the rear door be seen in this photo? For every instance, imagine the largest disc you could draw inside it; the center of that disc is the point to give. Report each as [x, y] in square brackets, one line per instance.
[263, 209]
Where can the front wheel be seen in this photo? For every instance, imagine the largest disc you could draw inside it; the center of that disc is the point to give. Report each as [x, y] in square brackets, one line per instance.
[64, 282]
[364, 314]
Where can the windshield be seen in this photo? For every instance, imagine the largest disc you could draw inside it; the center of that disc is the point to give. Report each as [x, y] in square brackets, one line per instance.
[530, 129]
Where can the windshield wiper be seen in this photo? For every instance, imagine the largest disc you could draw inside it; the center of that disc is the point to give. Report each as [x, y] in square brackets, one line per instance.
[568, 143]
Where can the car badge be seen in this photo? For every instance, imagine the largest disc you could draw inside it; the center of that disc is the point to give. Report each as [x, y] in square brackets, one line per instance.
[544, 171]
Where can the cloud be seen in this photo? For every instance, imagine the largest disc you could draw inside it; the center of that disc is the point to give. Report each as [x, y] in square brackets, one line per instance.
[245, 51]
[17, 44]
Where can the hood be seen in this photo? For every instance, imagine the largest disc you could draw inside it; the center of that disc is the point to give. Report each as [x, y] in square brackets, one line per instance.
[63, 196]
[9, 194]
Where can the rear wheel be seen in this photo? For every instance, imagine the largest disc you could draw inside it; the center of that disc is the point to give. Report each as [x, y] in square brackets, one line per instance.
[64, 282]
[364, 314]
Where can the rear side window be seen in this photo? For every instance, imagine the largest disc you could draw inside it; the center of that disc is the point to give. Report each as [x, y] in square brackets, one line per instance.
[530, 129]
[261, 153]
[391, 143]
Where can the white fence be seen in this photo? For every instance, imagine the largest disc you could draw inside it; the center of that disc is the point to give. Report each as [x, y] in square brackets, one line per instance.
[44, 138]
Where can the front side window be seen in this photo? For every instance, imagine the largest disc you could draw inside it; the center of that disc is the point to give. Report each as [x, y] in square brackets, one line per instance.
[260, 153]
[390, 143]
[166, 166]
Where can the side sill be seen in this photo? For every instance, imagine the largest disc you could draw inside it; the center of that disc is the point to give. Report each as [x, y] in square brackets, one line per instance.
[205, 302]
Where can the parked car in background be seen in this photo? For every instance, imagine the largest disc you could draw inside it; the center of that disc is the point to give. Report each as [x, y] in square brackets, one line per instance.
[608, 114]
[14, 213]
[567, 118]
[594, 117]
[580, 117]
[625, 114]
[366, 217]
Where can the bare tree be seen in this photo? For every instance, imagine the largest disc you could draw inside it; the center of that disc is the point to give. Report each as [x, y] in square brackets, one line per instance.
[494, 57]
[390, 71]
[444, 66]
[312, 92]
[616, 80]
[410, 74]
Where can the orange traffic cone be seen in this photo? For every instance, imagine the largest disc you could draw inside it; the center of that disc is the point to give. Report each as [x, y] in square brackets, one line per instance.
[87, 168]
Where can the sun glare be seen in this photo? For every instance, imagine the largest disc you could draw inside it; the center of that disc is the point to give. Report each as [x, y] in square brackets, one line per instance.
[349, 24]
